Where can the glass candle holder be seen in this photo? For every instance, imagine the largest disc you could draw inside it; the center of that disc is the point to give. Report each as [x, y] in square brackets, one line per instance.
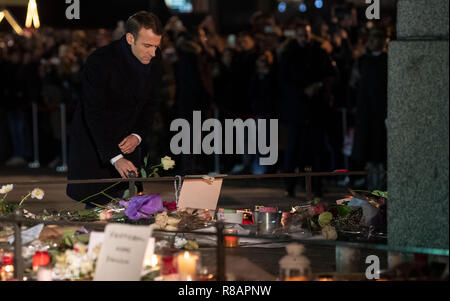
[231, 241]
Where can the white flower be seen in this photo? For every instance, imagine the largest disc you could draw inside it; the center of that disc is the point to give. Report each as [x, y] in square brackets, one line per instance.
[329, 232]
[167, 163]
[6, 188]
[180, 242]
[161, 219]
[37, 193]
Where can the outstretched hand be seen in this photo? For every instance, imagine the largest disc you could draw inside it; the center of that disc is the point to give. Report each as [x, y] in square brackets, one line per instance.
[124, 166]
[129, 144]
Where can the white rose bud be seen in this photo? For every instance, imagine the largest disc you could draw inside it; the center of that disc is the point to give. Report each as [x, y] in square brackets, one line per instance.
[167, 163]
[329, 232]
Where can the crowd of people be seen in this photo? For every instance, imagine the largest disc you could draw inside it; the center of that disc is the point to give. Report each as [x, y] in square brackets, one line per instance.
[324, 80]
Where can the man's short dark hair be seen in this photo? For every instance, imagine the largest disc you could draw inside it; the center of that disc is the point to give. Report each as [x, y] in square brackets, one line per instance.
[143, 19]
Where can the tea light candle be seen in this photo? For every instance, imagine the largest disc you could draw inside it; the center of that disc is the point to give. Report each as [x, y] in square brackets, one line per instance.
[231, 241]
[44, 274]
[187, 266]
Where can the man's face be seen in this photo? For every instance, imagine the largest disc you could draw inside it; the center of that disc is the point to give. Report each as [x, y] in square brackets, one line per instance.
[247, 43]
[144, 47]
[303, 35]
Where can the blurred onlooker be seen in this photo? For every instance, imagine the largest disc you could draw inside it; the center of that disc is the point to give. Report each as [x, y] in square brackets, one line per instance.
[263, 87]
[370, 145]
[243, 67]
[17, 101]
[305, 72]
[119, 31]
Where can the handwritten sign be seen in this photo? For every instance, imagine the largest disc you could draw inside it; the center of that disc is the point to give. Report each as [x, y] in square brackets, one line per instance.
[200, 193]
[122, 253]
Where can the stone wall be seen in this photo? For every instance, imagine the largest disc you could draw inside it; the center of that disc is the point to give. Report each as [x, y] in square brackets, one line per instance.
[418, 137]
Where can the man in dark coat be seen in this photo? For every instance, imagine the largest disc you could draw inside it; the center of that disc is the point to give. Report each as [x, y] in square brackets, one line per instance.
[119, 85]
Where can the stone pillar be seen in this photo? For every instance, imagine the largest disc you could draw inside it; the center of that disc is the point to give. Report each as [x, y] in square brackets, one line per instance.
[418, 137]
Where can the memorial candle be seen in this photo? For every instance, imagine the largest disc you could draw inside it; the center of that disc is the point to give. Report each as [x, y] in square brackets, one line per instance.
[44, 274]
[231, 241]
[187, 266]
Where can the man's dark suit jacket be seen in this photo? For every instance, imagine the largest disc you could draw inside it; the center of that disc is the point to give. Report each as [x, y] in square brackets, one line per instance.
[117, 99]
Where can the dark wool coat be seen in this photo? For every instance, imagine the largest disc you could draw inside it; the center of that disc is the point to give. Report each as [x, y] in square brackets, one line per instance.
[117, 99]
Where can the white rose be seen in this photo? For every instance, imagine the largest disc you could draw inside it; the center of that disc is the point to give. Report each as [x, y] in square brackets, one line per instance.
[167, 163]
[161, 219]
[179, 242]
[37, 193]
[329, 232]
[6, 188]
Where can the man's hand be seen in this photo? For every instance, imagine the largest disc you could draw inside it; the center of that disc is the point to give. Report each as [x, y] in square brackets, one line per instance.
[124, 166]
[129, 144]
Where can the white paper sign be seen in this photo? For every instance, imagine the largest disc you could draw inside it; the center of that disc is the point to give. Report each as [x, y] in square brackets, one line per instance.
[200, 193]
[95, 239]
[122, 252]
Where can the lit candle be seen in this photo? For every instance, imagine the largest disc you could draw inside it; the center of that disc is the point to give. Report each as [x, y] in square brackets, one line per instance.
[44, 274]
[231, 241]
[187, 266]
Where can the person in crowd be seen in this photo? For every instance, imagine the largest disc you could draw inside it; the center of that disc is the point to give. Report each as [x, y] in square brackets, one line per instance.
[370, 145]
[243, 67]
[18, 92]
[305, 70]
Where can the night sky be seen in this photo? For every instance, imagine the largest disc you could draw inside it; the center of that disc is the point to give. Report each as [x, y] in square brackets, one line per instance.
[93, 13]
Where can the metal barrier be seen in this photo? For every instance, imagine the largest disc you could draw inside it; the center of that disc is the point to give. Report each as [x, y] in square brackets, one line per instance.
[63, 167]
[35, 163]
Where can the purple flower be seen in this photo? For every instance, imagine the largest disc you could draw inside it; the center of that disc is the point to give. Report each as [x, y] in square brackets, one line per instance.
[142, 206]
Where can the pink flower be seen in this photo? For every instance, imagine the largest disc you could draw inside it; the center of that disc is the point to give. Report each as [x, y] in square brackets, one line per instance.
[318, 209]
[105, 215]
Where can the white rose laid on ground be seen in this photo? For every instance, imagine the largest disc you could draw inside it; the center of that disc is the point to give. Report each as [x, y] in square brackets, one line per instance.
[167, 163]
[6, 188]
[37, 193]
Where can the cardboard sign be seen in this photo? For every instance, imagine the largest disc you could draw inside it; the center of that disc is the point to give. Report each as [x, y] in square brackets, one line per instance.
[200, 193]
[122, 252]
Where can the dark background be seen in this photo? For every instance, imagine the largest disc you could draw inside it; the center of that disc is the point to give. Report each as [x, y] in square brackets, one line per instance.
[230, 15]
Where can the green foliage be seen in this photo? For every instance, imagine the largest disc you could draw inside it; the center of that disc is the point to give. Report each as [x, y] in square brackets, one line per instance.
[343, 211]
[382, 194]
[69, 238]
[143, 173]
